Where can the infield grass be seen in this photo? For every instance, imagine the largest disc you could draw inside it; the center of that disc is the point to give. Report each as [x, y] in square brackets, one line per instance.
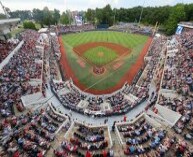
[100, 55]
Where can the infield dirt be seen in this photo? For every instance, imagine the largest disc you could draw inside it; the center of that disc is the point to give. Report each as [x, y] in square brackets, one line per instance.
[120, 50]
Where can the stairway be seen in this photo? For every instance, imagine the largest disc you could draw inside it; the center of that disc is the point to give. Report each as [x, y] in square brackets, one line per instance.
[117, 147]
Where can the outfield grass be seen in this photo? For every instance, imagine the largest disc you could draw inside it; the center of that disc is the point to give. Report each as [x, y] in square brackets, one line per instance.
[100, 55]
[111, 78]
[127, 40]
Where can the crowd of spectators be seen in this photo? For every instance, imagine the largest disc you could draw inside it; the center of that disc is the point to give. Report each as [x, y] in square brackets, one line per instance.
[75, 28]
[23, 65]
[6, 48]
[178, 73]
[119, 104]
[177, 87]
[15, 76]
[53, 66]
[54, 57]
[94, 103]
[139, 92]
[177, 78]
[154, 46]
[133, 28]
[142, 139]
[150, 70]
[182, 105]
[57, 86]
[73, 97]
[84, 141]
[56, 46]
[70, 97]
[29, 134]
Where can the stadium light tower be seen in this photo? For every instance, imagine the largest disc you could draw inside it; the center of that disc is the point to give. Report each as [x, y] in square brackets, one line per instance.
[141, 12]
[6, 10]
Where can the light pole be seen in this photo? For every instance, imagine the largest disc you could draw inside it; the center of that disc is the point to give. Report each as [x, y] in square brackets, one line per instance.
[141, 12]
[5, 10]
[114, 17]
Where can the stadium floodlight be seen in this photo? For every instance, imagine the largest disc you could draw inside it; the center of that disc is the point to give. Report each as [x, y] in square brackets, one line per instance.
[141, 12]
[6, 10]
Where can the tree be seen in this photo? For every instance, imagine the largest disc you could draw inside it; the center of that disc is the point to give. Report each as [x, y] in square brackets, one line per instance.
[56, 16]
[99, 16]
[22, 14]
[189, 12]
[177, 15]
[47, 16]
[107, 15]
[2, 16]
[29, 25]
[90, 16]
[38, 16]
[83, 15]
[64, 18]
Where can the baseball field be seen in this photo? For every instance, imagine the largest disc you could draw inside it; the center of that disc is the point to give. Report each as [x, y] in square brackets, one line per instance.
[120, 54]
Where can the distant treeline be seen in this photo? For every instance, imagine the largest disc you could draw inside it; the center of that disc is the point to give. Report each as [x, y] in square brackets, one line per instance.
[166, 16]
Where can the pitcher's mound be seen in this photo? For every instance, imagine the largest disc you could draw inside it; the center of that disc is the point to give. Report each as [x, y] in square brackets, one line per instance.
[100, 54]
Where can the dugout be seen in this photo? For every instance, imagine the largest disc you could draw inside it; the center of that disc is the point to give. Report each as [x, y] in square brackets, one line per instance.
[103, 26]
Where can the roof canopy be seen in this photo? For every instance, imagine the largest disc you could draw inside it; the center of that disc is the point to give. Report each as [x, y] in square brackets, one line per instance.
[6, 24]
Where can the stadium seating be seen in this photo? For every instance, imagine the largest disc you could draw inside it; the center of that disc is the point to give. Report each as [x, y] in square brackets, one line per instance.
[85, 139]
[31, 133]
[68, 29]
[144, 137]
[168, 71]
[178, 81]
[132, 28]
[6, 47]
[16, 75]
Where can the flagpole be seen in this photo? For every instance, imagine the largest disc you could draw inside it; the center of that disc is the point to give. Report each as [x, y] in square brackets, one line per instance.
[114, 16]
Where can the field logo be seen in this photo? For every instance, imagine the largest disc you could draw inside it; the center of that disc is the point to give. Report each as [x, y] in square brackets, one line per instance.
[179, 30]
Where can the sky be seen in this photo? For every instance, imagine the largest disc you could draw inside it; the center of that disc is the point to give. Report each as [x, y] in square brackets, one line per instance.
[63, 5]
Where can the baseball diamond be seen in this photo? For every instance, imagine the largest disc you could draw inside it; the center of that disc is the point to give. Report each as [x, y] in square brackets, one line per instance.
[120, 55]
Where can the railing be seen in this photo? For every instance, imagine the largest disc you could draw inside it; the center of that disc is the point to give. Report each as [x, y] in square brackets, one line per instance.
[66, 136]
